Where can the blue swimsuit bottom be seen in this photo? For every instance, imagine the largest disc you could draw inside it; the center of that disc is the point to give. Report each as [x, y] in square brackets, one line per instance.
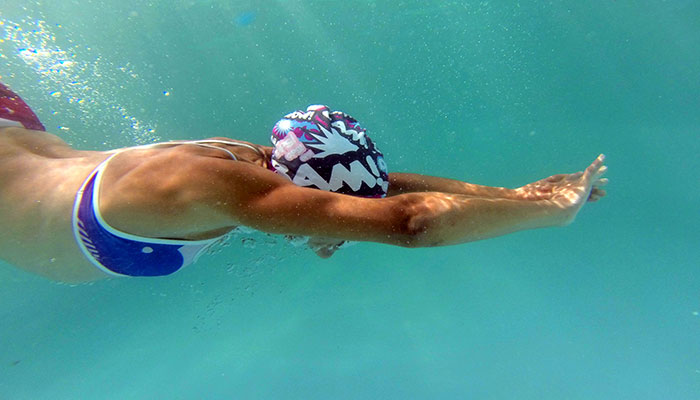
[121, 254]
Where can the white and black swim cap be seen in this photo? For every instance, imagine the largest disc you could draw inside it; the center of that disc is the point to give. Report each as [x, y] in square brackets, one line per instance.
[328, 150]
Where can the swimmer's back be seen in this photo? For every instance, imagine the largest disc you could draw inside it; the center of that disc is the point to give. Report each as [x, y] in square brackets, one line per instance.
[39, 176]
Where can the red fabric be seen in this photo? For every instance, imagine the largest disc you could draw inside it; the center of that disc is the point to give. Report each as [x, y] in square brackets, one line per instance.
[12, 107]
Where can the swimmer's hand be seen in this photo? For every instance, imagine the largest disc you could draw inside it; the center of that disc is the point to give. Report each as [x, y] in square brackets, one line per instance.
[324, 247]
[569, 192]
[546, 189]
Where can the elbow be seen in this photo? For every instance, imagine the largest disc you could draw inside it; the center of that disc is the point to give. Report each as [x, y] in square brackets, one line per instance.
[412, 229]
[413, 240]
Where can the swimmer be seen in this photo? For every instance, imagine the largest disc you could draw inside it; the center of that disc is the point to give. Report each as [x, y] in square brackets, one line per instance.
[78, 215]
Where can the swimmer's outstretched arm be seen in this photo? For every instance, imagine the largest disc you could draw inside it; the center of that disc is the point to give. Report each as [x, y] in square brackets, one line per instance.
[400, 183]
[248, 195]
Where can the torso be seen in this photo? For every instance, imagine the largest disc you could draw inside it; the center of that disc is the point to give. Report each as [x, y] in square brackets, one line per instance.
[40, 176]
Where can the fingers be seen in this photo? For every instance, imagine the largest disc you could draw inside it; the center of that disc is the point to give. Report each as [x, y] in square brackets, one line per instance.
[596, 169]
[593, 174]
[597, 164]
[596, 194]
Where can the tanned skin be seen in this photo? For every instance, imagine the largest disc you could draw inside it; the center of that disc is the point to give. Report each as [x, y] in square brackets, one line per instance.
[192, 192]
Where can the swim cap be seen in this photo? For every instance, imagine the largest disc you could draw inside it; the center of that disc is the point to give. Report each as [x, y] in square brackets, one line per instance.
[328, 150]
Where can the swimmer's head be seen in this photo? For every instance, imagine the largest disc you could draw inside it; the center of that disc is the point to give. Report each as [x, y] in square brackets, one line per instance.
[328, 150]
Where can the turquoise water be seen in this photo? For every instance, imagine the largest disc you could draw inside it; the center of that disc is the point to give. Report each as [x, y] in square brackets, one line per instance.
[607, 308]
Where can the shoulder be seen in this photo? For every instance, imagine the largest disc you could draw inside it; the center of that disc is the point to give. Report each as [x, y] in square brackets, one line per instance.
[191, 175]
[170, 191]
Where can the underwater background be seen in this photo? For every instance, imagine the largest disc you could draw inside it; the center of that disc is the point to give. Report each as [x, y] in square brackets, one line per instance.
[491, 93]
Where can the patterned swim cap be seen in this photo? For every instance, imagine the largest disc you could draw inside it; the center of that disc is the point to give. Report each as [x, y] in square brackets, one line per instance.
[328, 150]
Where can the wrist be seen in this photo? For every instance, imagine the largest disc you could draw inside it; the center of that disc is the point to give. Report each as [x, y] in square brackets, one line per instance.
[557, 213]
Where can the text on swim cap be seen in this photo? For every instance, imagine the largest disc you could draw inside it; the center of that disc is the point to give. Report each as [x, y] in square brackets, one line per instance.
[358, 173]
